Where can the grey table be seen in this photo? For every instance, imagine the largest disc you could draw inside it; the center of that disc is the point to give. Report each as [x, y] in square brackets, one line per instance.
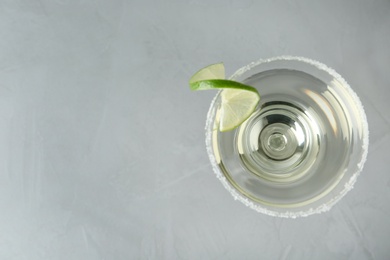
[102, 151]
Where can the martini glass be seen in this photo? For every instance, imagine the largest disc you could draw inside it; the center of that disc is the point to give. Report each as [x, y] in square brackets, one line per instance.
[302, 149]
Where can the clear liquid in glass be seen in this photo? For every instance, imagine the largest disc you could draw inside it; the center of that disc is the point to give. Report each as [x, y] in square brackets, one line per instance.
[303, 147]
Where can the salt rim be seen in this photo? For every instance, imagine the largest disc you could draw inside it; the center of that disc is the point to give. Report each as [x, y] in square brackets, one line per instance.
[289, 214]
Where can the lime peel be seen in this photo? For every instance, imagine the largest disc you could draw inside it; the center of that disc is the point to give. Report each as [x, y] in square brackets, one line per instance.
[220, 84]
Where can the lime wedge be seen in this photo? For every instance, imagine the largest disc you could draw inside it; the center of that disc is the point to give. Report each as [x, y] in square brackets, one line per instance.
[238, 101]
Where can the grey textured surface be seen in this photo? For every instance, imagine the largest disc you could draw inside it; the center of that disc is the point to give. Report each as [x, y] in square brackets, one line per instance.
[102, 150]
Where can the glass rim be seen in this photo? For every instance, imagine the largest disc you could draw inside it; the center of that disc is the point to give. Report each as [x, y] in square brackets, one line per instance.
[287, 213]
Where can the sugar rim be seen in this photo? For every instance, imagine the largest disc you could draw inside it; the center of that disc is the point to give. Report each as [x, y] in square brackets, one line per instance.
[289, 214]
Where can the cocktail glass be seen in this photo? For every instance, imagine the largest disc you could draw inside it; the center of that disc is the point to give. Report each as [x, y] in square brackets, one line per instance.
[302, 149]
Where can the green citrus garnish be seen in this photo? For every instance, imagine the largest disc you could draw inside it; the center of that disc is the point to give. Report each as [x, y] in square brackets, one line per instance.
[239, 101]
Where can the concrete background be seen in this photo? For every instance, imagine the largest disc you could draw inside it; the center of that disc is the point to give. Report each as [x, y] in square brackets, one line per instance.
[102, 151]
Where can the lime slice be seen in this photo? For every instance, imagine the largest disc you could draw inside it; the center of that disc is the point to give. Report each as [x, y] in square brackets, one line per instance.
[236, 107]
[213, 71]
[238, 101]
